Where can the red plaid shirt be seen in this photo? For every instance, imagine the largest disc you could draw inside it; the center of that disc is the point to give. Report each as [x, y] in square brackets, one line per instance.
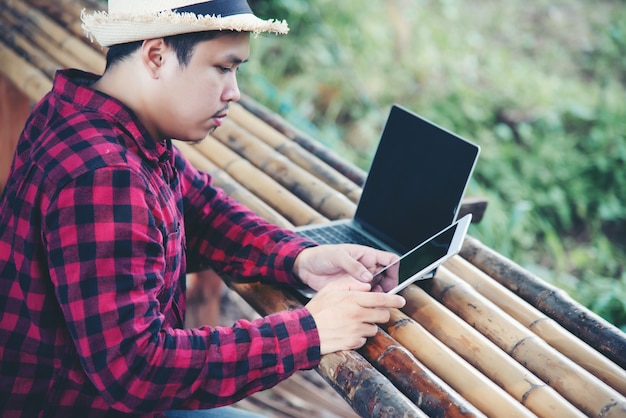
[98, 225]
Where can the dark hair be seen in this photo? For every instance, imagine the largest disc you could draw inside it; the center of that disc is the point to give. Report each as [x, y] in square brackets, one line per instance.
[182, 44]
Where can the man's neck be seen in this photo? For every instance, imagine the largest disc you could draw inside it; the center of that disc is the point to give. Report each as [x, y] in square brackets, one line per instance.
[124, 84]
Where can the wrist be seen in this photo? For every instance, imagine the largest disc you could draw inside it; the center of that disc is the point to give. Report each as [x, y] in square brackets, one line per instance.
[299, 266]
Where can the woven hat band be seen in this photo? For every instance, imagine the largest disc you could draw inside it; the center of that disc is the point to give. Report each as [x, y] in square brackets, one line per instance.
[216, 8]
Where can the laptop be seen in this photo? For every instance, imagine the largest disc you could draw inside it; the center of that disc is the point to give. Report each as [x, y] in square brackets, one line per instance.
[413, 189]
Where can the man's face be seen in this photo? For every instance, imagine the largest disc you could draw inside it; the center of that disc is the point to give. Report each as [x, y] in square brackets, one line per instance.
[193, 99]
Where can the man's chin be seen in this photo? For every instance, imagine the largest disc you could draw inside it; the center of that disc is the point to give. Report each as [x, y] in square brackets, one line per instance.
[199, 138]
[196, 141]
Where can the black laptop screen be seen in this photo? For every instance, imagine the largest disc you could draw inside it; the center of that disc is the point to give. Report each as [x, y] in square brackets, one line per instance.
[430, 168]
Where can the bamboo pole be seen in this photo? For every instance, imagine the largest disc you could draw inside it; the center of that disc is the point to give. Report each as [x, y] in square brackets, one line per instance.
[66, 13]
[314, 192]
[349, 170]
[431, 394]
[477, 350]
[546, 328]
[23, 47]
[471, 384]
[232, 187]
[37, 37]
[584, 324]
[294, 152]
[581, 388]
[27, 78]
[367, 390]
[357, 381]
[259, 183]
[35, 20]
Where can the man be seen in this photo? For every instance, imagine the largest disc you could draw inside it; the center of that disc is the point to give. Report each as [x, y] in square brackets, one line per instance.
[102, 217]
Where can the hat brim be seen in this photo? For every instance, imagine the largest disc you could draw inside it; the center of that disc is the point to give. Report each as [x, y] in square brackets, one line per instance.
[110, 29]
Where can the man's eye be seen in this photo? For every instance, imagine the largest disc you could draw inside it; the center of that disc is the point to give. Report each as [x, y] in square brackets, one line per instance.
[225, 69]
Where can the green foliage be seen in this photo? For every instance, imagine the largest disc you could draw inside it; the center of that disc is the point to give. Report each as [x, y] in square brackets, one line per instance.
[538, 84]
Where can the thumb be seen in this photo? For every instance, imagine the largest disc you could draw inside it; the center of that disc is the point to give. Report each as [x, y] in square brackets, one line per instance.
[353, 267]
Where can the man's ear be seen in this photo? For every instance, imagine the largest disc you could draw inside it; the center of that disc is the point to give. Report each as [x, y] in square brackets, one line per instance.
[153, 55]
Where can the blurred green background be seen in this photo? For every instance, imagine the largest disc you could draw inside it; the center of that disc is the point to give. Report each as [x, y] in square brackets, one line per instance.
[540, 85]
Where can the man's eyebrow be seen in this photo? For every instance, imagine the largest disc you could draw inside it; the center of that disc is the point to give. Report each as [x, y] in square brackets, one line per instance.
[236, 59]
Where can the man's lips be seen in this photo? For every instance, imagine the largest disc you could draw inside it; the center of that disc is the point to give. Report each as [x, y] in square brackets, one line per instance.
[219, 118]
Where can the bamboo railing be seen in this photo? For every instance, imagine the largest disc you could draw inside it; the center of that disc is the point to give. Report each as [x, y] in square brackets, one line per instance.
[483, 338]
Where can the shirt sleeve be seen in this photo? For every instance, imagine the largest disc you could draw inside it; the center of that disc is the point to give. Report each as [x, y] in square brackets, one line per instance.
[106, 261]
[229, 237]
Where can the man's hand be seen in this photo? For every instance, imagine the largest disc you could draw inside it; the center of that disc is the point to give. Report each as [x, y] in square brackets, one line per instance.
[318, 266]
[346, 313]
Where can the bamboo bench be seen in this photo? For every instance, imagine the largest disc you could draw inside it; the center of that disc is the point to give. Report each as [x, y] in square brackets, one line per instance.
[483, 338]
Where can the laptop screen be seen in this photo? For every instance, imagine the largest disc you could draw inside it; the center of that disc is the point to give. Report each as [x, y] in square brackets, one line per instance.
[430, 168]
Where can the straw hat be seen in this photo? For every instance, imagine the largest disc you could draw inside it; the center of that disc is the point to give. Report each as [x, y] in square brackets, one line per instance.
[137, 20]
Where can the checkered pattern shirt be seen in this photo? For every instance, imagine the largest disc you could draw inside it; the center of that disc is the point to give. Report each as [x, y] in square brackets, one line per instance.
[99, 224]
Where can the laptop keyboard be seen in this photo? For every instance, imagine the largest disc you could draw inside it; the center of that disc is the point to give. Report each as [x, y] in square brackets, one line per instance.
[336, 234]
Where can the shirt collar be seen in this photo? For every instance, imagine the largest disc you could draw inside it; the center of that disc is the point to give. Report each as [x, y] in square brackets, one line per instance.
[75, 86]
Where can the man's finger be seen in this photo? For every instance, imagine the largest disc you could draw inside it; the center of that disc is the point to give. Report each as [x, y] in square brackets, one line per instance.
[380, 300]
